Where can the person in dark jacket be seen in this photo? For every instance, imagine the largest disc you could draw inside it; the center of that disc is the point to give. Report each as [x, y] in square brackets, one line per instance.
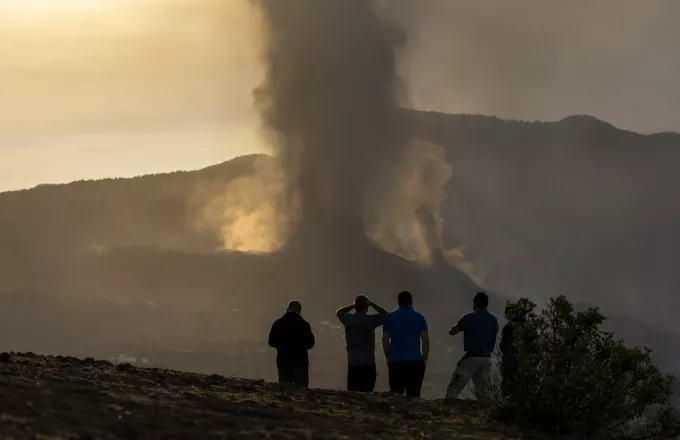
[509, 349]
[292, 337]
[479, 329]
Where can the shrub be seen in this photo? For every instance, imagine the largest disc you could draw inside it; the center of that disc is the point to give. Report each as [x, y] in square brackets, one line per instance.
[573, 378]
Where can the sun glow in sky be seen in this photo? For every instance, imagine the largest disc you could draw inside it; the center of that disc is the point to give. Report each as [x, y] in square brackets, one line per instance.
[31, 8]
[104, 88]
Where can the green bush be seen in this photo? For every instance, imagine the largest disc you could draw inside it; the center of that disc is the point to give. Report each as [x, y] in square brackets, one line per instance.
[573, 378]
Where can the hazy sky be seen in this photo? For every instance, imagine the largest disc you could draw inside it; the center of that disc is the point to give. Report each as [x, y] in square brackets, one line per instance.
[534, 59]
[123, 87]
[93, 88]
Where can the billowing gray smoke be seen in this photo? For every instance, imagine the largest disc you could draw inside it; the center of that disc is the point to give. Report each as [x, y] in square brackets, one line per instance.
[330, 104]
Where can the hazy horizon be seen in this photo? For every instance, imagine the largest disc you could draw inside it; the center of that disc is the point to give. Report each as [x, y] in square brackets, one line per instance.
[117, 88]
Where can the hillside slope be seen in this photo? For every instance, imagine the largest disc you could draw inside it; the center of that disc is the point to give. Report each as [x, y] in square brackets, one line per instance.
[575, 207]
[65, 398]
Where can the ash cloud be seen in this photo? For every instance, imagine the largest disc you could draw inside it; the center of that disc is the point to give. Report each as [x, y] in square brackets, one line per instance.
[245, 214]
[329, 103]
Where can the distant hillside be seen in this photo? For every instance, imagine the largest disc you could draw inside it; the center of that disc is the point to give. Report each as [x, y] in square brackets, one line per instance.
[542, 208]
[577, 206]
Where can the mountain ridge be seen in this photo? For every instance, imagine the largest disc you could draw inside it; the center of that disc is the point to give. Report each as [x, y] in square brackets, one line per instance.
[581, 121]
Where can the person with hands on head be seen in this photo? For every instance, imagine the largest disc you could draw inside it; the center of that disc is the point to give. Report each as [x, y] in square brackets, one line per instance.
[360, 337]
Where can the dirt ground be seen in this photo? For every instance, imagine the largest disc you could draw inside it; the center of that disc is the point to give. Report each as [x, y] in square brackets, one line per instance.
[67, 398]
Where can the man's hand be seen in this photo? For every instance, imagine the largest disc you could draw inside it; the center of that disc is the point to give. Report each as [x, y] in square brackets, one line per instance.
[425, 341]
[386, 344]
[344, 310]
[377, 308]
[454, 330]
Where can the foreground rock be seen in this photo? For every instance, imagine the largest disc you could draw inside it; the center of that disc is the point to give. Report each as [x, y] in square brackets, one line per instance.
[63, 397]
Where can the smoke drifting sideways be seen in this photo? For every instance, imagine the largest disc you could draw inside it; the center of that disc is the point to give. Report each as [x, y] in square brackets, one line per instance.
[245, 213]
[349, 169]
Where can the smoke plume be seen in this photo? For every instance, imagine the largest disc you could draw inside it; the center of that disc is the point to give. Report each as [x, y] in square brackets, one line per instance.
[244, 213]
[330, 105]
[347, 167]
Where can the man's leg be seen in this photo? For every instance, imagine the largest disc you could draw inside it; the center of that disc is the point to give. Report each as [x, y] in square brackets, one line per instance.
[286, 375]
[508, 372]
[480, 377]
[461, 377]
[301, 377]
[396, 376]
[371, 376]
[353, 378]
[366, 375]
[414, 381]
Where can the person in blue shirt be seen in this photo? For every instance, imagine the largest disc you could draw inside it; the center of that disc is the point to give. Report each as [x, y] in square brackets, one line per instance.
[480, 329]
[407, 345]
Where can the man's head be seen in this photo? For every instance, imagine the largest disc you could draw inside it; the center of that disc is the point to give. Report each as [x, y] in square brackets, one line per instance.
[361, 303]
[481, 301]
[510, 312]
[295, 307]
[405, 299]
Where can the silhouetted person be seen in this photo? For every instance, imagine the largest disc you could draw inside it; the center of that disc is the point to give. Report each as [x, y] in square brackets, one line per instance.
[292, 337]
[360, 336]
[480, 329]
[403, 332]
[509, 349]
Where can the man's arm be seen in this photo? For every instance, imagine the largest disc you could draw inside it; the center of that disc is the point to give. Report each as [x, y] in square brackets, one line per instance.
[310, 341]
[274, 336]
[342, 310]
[493, 340]
[425, 341]
[424, 338]
[386, 343]
[506, 339]
[460, 327]
[382, 312]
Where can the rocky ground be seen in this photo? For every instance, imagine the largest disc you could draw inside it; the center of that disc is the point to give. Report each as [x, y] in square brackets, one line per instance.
[57, 397]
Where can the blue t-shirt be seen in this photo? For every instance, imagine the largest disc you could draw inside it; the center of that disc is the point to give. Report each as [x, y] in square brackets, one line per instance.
[480, 329]
[404, 326]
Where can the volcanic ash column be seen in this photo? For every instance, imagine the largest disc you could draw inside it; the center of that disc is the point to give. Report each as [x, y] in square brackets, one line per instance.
[328, 103]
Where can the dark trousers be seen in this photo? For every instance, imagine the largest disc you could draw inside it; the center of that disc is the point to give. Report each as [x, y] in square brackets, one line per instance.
[361, 378]
[294, 374]
[508, 378]
[406, 377]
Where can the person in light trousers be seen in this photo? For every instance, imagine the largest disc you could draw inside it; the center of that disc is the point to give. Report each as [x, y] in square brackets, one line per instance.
[479, 329]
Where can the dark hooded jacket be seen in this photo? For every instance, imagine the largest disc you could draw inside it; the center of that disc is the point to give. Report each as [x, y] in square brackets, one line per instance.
[291, 336]
[508, 344]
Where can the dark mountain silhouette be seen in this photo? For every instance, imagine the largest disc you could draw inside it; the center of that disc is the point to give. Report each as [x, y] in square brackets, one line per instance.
[576, 207]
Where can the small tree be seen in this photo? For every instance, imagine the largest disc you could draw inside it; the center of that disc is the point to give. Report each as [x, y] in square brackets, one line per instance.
[571, 377]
